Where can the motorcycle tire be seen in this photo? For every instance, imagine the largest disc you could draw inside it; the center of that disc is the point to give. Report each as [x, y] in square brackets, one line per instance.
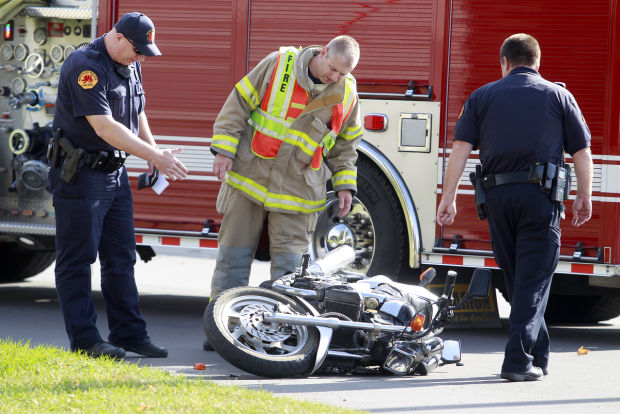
[233, 326]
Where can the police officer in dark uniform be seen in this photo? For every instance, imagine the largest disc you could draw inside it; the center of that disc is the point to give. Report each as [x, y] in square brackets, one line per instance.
[522, 125]
[99, 118]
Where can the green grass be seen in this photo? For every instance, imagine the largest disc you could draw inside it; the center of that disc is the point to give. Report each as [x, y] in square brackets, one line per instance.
[44, 379]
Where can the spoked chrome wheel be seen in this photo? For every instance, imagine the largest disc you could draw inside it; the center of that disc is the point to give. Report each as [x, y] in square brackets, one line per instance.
[244, 318]
[234, 325]
[356, 229]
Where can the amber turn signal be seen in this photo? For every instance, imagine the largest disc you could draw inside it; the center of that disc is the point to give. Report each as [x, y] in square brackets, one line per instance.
[418, 322]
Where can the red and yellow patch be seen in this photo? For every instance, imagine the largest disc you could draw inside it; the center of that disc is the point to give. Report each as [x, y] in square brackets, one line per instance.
[87, 79]
[462, 110]
[150, 36]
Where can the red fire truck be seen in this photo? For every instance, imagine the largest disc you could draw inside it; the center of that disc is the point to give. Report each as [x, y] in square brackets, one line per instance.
[420, 61]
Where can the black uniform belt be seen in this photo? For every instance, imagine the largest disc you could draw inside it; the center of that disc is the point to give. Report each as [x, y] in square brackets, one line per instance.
[493, 180]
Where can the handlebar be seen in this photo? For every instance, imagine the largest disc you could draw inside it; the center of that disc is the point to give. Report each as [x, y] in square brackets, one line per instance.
[449, 287]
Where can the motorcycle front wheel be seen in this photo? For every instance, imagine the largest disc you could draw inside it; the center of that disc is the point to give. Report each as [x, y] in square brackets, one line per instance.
[234, 326]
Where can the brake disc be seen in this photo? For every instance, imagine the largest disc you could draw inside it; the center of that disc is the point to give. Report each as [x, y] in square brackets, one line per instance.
[251, 318]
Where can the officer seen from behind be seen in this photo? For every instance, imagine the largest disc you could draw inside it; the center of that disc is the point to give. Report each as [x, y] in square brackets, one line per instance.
[522, 125]
[99, 118]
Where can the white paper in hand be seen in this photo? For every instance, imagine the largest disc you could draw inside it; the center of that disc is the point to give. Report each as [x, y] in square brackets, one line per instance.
[160, 185]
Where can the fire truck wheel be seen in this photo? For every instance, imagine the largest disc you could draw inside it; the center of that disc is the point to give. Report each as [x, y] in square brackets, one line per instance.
[568, 308]
[20, 263]
[375, 227]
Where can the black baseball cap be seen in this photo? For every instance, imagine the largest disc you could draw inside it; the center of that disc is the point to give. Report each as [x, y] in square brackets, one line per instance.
[139, 29]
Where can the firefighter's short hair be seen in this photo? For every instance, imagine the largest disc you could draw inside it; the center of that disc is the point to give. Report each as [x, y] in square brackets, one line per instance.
[521, 49]
[345, 47]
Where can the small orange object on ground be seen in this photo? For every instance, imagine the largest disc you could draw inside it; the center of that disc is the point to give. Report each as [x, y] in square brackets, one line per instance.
[199, 366]
[583, 351]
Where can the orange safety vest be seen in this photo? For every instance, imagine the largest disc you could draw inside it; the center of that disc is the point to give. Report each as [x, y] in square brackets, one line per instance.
[283, 102]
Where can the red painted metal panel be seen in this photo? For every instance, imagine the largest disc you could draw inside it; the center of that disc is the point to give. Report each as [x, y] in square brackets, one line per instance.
[582, 268]
[452, 260]
[395, 37]
[208, 243]
[185, 89]
[579, 42]
[171, 241]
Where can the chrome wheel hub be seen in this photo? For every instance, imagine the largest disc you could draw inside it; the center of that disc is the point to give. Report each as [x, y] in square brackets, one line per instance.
[355, 229]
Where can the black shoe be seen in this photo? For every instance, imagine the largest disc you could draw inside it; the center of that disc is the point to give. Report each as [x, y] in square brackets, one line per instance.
[102, 349]
[206, 345]
[531, 374]
[145, 348]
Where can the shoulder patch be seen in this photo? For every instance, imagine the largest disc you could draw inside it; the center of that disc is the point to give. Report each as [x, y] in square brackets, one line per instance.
[462, 110]
[87, 79]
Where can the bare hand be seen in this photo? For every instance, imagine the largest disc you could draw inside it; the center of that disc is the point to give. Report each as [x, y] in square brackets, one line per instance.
[446, 211]
[169, 165]
[221, 165]
[345, 198]
[582, 210]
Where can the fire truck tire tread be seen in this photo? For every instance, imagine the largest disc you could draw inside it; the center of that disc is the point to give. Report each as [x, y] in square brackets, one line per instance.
[573, 308]
[19, 263]
[379, 198]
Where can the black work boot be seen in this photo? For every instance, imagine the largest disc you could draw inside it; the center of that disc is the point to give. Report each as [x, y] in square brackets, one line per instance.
[145, 348]
[102, 348]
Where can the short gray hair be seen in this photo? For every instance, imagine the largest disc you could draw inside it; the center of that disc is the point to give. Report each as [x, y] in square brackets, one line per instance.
[345, 47]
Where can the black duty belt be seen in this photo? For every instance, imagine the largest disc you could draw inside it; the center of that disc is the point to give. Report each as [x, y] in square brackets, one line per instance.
[61, 153]
[493, 180]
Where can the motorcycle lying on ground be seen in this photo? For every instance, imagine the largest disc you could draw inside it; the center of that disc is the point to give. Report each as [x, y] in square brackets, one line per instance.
[323, 319]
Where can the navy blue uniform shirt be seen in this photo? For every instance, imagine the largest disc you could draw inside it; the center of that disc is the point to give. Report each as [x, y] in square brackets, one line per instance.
[90, 84]
[520, 120]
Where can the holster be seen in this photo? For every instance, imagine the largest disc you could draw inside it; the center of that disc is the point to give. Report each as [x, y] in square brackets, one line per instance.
[480, 196]
[53, 149]
[73, 159]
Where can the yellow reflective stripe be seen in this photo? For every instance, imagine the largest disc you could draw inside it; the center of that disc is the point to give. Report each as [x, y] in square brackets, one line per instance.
[248, 186]
[349, 95]
[292, 203]
[344, 177]
[281, 201]
[267, 124]
[298, 105]
[280, 99]
[308, 145]
[287, 84]
[351, 133]
[248, 92]
[225, 142]
[328, 142]
[351, 173]
[344, 181]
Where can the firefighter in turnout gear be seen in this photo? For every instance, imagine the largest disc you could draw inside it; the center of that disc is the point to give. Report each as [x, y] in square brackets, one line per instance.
[286, 128]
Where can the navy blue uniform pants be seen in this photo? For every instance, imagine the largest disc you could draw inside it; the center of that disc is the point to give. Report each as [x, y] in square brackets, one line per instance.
[95, 215]
[524, 226]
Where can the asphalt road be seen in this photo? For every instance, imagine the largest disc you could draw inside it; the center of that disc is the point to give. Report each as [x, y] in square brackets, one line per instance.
[174, 288]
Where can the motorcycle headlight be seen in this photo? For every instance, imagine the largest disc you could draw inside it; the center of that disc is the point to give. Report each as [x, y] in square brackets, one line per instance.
[401, 359]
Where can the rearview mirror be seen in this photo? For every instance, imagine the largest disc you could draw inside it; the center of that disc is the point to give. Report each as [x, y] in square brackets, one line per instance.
[478, 287]
[451, 353]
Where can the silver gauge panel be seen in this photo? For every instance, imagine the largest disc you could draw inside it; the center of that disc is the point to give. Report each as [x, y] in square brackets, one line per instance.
[18, 85]
[21, 51]
[57, 53]
[6, 51]
[68, 50]
[40, 36]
